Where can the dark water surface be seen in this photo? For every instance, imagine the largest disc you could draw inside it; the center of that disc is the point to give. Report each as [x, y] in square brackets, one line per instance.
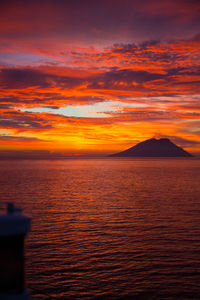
[109, 228]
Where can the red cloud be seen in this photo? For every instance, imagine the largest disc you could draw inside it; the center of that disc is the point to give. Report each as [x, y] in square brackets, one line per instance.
[63, 58]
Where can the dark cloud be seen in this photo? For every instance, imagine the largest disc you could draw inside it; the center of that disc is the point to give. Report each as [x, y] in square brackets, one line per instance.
[22, 124]
[18, 138]
[51, 106]
[153, 50]
[46, 100]
[184, 71]
[124, 48]
[25, 121]
[130, 76]
[15, 78]
[24, 78]
[11, 99]
[4, 106]
[91, 20]
[18, 78]
[123, 79]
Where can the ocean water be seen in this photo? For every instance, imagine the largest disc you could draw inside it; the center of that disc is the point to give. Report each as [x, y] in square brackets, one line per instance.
[109, 228]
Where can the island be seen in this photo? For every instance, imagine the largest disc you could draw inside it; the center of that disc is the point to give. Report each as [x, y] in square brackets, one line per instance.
[154, 148]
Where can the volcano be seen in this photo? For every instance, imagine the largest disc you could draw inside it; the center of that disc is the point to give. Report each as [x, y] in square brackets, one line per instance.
[154, 148]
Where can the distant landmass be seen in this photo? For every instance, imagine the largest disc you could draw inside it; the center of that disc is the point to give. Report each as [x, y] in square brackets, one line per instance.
[154, 148]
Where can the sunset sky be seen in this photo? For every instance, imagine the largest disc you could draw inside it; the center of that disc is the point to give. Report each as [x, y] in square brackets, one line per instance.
[98, 76]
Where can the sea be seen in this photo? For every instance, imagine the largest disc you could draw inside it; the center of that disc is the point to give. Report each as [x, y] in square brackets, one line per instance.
[109, 228]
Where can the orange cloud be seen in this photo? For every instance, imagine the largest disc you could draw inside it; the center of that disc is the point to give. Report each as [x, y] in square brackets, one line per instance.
[160, 80]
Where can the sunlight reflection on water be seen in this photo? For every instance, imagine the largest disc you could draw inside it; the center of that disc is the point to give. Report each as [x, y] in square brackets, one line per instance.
[109, 228]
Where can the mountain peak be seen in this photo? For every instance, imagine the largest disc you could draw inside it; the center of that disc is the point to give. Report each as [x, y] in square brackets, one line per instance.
[162, 147]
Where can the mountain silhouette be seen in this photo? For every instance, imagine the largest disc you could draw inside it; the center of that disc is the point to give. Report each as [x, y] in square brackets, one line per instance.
[154, 148]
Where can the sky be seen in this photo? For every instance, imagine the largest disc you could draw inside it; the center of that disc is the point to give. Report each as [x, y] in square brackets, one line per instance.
[96, 77]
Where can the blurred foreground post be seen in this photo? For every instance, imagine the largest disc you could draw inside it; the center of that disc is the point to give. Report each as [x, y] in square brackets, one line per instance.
[13, 228]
